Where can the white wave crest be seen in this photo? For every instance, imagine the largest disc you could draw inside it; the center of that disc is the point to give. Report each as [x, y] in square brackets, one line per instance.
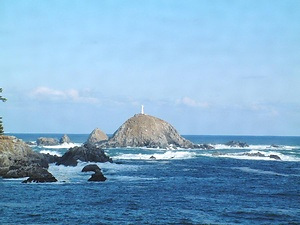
[160, 156]
[64, 145]
[264, 172]
[255, 155]
[51, 152]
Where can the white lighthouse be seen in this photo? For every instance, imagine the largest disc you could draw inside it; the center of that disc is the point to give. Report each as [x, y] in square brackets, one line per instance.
[142, 110]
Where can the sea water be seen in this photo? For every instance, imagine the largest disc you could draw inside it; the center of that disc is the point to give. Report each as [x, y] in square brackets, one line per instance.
[226, 185]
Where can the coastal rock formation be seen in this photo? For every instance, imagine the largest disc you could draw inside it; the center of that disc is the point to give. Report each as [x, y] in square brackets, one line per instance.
[97, 136]
[97, 176]
[41, 175]
[18, 160]
[65, 139]
[237, 144]
[147, 131]
[85, 153]
[43, 141]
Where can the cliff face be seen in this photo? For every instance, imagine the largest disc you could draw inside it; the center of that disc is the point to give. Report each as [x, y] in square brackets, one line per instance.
[147, 131]
[18, 160]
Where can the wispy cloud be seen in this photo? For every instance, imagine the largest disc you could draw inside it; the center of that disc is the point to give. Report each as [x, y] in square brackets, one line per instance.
[263, 108]
[187, 101]
[71, 95]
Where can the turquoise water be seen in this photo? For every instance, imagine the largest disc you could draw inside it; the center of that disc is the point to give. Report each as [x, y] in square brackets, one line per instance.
[221, 186]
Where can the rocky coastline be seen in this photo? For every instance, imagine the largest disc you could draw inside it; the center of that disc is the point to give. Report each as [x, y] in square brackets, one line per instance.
[18, 160]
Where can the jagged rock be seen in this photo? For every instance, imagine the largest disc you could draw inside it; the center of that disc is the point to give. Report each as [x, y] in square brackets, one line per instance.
[147, 131]
[152, 157]
[97, 176]
[43, 141]
[65, 139]
[275, 157]
[18, 160]
[204, 146]
[237, 144]
[85, 153]
[15, 152]
[96, 136]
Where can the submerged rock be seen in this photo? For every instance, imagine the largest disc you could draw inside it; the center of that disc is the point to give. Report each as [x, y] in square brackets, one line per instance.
[43, 141]
[96, 136]
[65, 139]
[85, 153]
[147, 131]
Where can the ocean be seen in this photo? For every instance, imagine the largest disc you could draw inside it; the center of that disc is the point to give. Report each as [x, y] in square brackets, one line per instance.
[226, 185]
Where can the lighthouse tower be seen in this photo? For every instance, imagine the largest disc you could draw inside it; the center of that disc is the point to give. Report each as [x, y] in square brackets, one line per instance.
[142, 110]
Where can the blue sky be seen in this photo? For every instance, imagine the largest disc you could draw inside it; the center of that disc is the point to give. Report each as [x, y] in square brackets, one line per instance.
[207, 67]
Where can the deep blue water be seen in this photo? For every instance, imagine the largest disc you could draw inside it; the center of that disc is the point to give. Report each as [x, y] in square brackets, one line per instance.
[180, 187]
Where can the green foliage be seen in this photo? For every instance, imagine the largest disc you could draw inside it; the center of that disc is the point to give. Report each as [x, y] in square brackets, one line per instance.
[1, 127]
[2, 98]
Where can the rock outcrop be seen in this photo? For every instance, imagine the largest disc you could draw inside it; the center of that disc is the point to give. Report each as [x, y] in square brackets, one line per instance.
[18, 160]
[43, 141]
[65, 139]
[237, 144]
[97, 176]
[84, 153]
[41, 175]
[147, 131]
[97, 136]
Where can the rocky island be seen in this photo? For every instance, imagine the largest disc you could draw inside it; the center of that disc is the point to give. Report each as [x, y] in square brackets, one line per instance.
[143, 130]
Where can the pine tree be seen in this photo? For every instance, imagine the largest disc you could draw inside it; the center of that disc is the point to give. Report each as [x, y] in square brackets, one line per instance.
[1, 126]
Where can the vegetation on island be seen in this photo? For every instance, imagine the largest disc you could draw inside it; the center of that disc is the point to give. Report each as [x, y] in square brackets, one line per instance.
[3, 100]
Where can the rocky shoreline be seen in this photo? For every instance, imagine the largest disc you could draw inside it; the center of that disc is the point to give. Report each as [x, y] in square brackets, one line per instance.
[18, 160]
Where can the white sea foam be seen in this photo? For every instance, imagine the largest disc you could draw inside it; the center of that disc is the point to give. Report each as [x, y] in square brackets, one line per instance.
[256, 147]
[253, 155]
[64, 145]
[160, 156]
[51, 152]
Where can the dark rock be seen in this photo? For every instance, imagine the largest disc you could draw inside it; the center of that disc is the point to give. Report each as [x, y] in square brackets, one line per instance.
[152, 157]
[91, 167]
[275, 157]
[51, 158]
[85, 153]
[43, 141]
[65, 139]
[204, 146]
[275, 146]
[256, 154]
[97, 177]
[40, 175]
[237, 144]
[97, 136]
[147, 131]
